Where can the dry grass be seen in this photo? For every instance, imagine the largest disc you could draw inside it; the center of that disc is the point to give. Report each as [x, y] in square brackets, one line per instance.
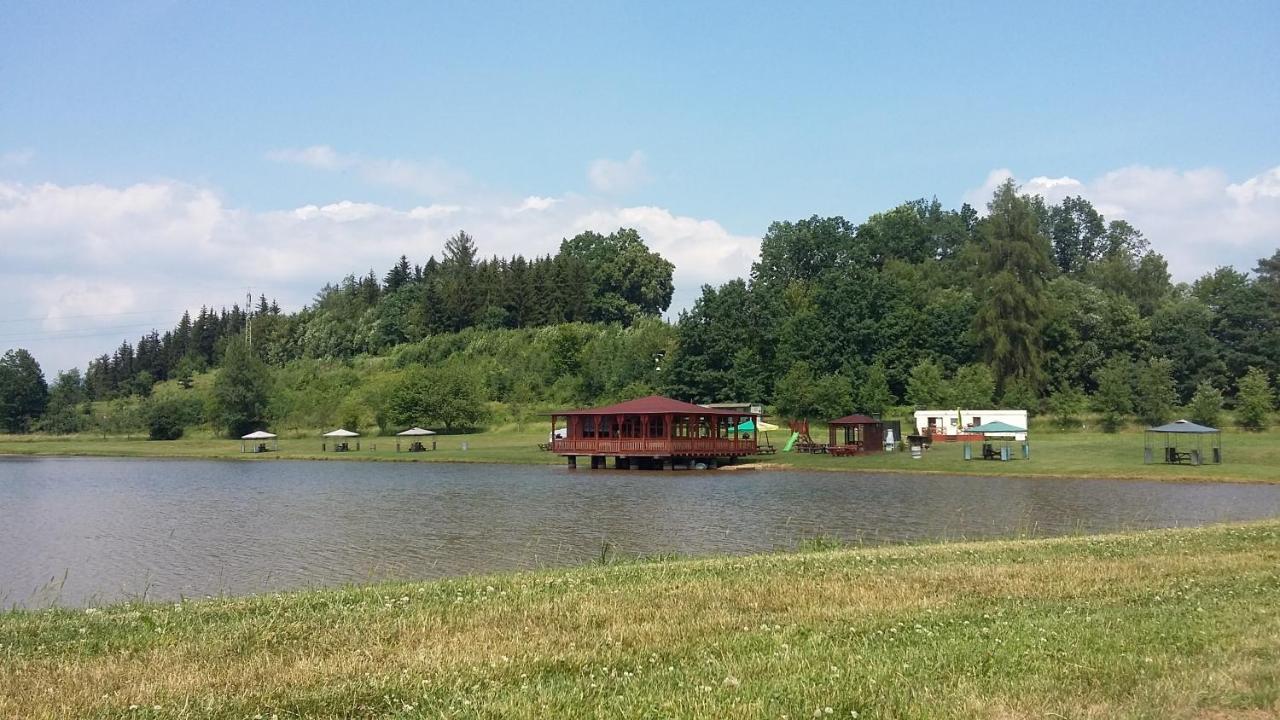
[1169, 624]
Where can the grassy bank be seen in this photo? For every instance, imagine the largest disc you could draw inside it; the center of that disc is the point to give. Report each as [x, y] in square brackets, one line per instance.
[1164, 624]
[1249, 457]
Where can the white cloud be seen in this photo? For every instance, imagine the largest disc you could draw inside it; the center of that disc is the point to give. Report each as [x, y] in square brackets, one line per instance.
[536, 203]
[17, 158]
[134, 257]
[619, 176]
[1198, 219]
[433, 178]
[321, 157]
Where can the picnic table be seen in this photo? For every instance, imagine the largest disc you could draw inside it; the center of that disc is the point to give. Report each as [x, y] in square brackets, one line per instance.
[843, 450]
[765, 450]
[1172, 456]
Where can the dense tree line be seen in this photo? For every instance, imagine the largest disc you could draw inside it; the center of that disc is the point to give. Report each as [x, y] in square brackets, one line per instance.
[593, 278]
[1035, 302]
[1050, 307]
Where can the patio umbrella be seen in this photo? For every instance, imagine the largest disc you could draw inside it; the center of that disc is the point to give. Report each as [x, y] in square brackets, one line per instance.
[762, 426]
[416, 432]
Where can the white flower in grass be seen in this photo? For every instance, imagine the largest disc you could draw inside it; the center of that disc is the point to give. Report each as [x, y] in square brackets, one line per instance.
[732, 682]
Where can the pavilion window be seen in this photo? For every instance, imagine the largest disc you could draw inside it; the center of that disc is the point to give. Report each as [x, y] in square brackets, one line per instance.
[656, 429]
[681, 429]
[631, 427]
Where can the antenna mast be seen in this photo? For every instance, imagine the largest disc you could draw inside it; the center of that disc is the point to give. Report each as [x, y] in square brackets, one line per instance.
[248, 316]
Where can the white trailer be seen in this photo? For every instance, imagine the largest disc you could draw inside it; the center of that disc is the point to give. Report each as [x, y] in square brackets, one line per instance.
[948, 423]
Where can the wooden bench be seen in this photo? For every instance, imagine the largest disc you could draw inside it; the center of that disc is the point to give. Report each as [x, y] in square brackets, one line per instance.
[765, 450]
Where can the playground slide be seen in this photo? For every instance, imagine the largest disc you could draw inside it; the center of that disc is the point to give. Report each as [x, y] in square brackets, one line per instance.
[794, 436]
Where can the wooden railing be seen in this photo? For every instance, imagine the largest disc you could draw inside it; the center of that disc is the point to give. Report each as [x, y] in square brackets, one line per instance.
[653, 446]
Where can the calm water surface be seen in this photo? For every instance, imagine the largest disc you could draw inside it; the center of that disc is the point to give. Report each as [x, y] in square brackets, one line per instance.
[82, 531]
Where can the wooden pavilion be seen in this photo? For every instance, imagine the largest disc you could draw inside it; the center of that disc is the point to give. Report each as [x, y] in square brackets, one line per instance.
[855, 434]
[651, 432]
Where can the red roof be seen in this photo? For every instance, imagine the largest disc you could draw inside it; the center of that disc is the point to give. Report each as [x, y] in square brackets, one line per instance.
[854, 420]
[651, 405]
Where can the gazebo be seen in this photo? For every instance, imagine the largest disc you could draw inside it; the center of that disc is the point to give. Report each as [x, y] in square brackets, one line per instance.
[417, 434]
[855, 434]
[340, 438]
[651, 432]
[997, 430]
[1192, 439]
[262, 436]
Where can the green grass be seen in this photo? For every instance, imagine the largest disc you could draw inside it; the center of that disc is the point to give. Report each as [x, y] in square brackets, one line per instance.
[504, 445]
[1162, 624]
[1248, 457]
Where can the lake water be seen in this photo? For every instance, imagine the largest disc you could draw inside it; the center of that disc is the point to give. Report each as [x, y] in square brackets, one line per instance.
[85, 531]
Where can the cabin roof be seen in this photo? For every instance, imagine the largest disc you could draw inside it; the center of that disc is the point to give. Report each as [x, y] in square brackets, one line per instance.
[855, 419]
[651, 405]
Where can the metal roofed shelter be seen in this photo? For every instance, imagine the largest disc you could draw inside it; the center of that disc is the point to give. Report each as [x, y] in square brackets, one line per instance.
[999, 431]
[259, 435]
[417, 434]
[855, 434]
[340, 436]
[1182, 443]
[651, 432]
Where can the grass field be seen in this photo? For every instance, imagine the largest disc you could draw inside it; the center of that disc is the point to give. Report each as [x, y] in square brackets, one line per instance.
[1162, 624]
[1248, 457]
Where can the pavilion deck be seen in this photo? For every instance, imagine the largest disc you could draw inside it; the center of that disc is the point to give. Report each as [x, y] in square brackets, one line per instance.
[650, 430]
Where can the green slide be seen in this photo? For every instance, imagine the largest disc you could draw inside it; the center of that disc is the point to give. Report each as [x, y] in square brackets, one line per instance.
[792, 441]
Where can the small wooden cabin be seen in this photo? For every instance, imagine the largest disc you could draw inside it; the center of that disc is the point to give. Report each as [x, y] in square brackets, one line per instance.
[855, 434]
[651, 431]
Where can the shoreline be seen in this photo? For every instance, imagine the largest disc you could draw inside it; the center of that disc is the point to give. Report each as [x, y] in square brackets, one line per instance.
[771, 465]
[1145, 622]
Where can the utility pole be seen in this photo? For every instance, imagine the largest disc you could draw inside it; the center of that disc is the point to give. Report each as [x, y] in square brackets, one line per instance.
[248, 317]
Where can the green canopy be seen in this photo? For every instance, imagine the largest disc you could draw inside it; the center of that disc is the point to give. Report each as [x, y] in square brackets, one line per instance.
[750, 426]
[995, 428]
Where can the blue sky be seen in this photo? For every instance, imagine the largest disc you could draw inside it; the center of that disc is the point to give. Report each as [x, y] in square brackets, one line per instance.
[722, 115]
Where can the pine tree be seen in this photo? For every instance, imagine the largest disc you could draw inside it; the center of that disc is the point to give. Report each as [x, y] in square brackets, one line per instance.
[397, 276]
[874, 396]
[24, 394]
[926, 388]
[1115, 393]
[240, 391]
[1013, 269]
[1254, 400]
[1206, 405]
[1067, 405]
[1156, 394]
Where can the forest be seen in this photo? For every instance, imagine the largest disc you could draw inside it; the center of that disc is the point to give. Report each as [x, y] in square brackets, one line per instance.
[1052, 307]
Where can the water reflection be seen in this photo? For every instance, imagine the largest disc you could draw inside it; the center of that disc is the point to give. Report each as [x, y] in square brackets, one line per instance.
[122, 528]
